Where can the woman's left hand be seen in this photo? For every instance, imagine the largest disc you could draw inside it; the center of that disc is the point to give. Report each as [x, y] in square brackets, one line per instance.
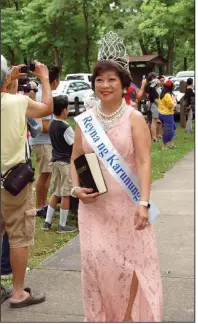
[141, 218]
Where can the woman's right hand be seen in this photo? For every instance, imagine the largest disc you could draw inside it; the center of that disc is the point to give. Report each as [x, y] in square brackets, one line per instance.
[85, 195]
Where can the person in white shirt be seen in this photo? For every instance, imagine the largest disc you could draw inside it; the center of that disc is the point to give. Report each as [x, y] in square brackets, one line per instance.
[18, 212]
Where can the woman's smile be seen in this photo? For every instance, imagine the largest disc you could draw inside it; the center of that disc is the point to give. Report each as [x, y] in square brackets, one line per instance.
[106, 93]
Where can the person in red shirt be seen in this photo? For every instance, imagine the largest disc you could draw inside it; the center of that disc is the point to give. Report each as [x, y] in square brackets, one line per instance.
[131, 96]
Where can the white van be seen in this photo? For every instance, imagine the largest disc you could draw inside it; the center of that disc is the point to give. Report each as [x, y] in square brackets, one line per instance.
[185, 74]
[86, 77]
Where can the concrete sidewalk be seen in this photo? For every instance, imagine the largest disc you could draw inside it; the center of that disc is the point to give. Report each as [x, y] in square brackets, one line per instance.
[59, 275]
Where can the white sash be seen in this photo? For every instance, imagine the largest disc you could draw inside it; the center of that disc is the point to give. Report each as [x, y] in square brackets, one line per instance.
[113, 161]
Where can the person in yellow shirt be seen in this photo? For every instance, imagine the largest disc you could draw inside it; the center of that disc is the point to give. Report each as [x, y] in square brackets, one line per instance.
[166, 114]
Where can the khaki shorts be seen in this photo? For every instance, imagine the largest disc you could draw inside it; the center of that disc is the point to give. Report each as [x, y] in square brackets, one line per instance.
[61, 179]
[43, 153]
[18, 217]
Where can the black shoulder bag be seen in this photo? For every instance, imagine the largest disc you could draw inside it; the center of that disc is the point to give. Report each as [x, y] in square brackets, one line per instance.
[16, 178]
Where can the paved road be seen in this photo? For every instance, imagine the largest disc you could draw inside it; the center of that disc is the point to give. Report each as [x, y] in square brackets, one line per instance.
[59, 275]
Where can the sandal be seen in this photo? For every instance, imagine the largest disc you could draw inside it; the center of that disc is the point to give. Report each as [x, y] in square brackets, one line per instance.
[34, 298]
[172, 146]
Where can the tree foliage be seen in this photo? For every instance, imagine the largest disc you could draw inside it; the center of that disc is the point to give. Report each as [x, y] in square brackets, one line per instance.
[66, 32]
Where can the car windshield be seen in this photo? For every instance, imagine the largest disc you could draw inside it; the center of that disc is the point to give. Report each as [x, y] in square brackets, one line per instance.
[75, 77]
[62, 86]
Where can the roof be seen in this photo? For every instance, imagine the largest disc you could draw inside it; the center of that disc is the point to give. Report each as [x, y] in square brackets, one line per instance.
[155, 58]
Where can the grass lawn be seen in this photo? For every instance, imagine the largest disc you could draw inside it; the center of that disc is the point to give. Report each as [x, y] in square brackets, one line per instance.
[46, 243]
[164, 160]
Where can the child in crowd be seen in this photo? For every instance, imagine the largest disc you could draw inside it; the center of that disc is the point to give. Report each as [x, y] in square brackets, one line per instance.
[62, 139]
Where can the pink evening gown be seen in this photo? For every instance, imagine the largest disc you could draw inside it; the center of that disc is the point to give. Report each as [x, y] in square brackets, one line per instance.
[111, 249]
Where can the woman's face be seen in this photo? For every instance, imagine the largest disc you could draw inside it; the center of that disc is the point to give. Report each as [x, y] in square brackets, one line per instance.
[108, 87]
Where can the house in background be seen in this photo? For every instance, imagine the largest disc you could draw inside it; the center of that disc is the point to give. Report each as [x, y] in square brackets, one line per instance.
[143, 65]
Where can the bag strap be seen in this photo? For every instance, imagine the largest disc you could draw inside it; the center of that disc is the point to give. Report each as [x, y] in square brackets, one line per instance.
[7, 172]
[27, 151]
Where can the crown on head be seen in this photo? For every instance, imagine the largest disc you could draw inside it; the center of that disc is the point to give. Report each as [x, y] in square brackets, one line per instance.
[113, 49]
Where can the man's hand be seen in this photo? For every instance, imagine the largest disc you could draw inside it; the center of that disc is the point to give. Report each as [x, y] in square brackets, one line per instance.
[41, 71]
[144, 83]
[15, 72]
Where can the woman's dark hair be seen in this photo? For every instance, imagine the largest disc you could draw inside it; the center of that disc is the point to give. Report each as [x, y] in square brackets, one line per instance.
[103, 66]
[54, 74]
[60, 103]
[151, 76]
[23, 80]
[189, 81]
[166, 90]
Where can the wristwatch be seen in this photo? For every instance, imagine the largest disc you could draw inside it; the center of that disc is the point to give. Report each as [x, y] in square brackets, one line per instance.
[72, 191]
[144, 203]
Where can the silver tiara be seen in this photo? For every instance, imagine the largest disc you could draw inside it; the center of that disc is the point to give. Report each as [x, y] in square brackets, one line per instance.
[113, 49]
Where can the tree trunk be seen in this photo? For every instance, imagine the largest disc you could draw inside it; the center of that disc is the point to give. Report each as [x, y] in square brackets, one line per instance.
[185, 64]
[87, 39]
[16, 5]
[78, 64]
[159, 48]
[182, 114]
[57, 57]
[169, 69]
[12, 55]
[160, 51]
[143, 47]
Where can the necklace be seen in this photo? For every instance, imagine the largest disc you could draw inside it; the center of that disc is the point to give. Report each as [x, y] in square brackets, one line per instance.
[107, 120]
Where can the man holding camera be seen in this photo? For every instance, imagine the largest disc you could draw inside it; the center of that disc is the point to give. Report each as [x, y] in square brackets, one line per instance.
[17, 211]
[41, 146]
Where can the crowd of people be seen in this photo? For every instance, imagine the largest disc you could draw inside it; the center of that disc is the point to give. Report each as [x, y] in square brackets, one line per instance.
[160, 107]
[120, 268]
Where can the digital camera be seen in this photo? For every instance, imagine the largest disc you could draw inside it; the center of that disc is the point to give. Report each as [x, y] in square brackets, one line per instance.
[29, 67]
[26, 88]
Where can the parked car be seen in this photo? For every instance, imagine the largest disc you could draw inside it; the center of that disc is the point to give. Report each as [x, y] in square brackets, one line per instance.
[75, 91]
[185, 74]
[79, 76]
[178, 95]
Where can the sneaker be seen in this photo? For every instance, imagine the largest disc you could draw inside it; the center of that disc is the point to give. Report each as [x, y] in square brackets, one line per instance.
[42, 212]
[46, 226]
[66, 229]
[9, 275]
[6, 292]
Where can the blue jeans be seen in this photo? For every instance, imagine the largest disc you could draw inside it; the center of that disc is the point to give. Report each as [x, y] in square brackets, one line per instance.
[5, 256]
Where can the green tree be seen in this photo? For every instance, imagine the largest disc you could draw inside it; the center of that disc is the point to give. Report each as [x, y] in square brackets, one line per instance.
[66, 33]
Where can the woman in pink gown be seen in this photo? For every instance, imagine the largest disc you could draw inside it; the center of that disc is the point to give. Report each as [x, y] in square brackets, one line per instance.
[120, 269]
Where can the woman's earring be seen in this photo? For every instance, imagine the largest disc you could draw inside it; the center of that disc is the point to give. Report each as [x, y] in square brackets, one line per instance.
[125, 91]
